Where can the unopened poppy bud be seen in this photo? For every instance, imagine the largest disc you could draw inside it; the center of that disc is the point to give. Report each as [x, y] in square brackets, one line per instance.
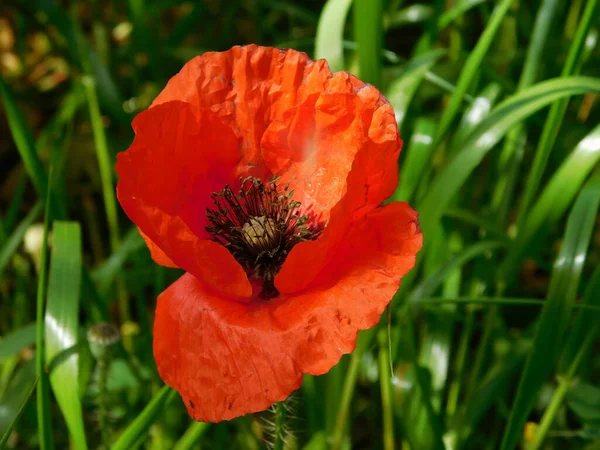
[101, 338]
[33, 242]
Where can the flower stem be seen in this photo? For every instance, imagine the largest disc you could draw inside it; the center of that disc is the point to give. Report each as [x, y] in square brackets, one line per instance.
[103, 365]
[362, 343]
[280, 416]
[386, 396]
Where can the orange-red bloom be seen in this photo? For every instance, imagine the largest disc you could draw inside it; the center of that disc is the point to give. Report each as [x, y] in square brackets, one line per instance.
[231, 336]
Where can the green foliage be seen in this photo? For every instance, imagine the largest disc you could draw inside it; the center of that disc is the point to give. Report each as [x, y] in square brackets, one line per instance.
[491, 341]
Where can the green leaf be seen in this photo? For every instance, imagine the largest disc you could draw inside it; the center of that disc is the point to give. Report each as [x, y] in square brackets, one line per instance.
[62, 325]
[13, 343]
[330, 33]
[556, 313]
[140, 426]
[487, 134]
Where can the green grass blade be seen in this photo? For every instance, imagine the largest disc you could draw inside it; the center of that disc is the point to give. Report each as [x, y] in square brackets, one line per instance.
[539, 35]
[69, 106]
[192, 436]
[368, 34]
[414, 408]
[11, 244]
[16, 341]
[475, 113]
[330, 33]
[362, 344]
[24, 141]
[565, 382]
[585, 321]
[110, 268]
[557, 309]
[554, 201]
[428, 286]
[410, 15]
[488, 133]
[494, 386]
[104, 162]
[458, 10]
[386, 397]
[478, 221]
[11, 214]
[62, 325]
[13, 423]
[144, 40]
[470, 69]
[402, 90]
[419, 153]
[140, 426]
[43, 391]
[556, 114]
[478, 300]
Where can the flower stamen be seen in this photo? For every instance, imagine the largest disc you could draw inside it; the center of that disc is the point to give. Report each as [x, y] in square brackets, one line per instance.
[259, 226]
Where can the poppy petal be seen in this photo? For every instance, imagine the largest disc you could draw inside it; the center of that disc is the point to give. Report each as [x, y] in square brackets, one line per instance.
[373, 178]
[227, 359]
[224, 358]
[180, 155]
[157, 254]
[293, 116]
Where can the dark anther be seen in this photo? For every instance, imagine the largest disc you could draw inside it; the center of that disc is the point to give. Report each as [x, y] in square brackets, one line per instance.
[259, 226]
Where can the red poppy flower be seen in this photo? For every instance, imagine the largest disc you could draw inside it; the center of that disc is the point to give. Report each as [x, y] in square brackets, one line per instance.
[260, 173]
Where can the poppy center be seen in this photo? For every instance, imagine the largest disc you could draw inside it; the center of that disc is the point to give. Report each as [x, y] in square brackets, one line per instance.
[259, 226]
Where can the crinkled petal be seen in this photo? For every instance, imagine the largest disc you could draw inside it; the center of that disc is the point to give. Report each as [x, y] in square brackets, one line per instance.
[227, 359]
[293, 116]
[373, 178]
[180, 155]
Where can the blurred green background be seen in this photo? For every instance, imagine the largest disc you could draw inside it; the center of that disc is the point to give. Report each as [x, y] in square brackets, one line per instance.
[491, 343]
